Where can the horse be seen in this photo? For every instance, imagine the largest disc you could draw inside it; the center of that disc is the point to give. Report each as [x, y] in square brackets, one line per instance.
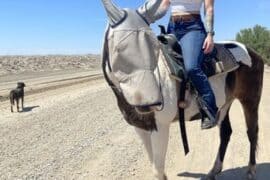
[134, 67]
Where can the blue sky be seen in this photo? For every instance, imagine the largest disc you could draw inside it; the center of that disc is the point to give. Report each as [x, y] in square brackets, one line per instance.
[77, 26]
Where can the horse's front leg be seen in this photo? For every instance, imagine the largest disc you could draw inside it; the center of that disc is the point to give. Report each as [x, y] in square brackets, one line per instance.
[225, 134]
[146, 139]
[159, 140]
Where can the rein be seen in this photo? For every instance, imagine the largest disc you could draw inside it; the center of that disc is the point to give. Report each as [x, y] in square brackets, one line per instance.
[181, 112]
[160, 89]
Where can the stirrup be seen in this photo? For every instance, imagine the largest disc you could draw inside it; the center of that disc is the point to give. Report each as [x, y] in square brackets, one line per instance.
[207, 123]
[208, 120]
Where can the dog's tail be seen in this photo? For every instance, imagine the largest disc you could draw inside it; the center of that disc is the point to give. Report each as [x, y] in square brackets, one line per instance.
[11, 97]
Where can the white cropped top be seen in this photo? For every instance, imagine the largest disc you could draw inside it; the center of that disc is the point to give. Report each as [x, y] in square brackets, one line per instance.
[186, 6]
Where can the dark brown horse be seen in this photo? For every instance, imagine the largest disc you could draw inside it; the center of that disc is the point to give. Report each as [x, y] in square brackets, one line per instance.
[244, 84]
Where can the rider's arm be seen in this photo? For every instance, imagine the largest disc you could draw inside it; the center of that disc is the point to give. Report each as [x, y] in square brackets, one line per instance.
[164, 6]
[209, 16]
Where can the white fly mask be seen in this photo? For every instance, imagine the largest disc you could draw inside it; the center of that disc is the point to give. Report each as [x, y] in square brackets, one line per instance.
[132, 52]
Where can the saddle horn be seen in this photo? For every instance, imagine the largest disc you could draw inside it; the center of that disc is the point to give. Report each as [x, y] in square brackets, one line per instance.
[114, 13]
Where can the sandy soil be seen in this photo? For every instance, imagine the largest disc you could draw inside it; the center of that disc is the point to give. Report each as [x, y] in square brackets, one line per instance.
[77, 132]
[28, 64]
[41, 72]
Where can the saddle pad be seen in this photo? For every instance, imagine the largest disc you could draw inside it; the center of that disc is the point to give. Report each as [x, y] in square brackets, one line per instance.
[239, 51]
[220, 61]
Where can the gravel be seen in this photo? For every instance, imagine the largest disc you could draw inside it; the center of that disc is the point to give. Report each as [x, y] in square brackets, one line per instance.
[77, 132]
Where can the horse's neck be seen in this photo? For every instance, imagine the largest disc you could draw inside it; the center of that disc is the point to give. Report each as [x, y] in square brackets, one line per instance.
[163, 75]
[169, 91]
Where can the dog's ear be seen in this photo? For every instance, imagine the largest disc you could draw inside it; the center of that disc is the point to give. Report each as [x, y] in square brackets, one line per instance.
[20, 84]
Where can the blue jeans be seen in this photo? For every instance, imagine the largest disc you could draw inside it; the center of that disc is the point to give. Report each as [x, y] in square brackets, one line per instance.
[191, 36]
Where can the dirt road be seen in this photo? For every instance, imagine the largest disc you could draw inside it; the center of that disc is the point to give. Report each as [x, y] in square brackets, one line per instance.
[77, 132]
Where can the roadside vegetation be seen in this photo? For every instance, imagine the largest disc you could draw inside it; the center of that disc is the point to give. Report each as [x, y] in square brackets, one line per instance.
[257, 38]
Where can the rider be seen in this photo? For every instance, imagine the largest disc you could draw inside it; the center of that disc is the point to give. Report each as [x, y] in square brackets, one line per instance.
[196, 40]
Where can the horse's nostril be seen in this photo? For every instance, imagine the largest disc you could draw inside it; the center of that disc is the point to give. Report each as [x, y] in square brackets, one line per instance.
[138, 97]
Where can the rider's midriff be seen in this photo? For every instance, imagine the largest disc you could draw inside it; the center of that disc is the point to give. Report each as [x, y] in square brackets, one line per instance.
[185, 7]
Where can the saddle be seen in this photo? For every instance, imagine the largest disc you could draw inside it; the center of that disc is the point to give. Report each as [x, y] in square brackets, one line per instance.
[220, 61]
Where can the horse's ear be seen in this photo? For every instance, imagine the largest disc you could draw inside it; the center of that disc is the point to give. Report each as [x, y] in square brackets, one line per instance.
[115, 14]
[149, 9]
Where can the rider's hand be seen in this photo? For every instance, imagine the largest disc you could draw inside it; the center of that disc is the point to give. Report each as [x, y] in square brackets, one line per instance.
[208, 44]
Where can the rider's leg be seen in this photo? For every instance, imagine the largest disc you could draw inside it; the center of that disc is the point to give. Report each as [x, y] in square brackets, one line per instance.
[191, 44]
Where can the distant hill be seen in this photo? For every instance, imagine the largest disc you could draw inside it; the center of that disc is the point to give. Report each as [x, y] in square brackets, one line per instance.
[18, 64]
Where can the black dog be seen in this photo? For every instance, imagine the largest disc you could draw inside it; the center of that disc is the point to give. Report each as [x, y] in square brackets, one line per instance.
[17, 94]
